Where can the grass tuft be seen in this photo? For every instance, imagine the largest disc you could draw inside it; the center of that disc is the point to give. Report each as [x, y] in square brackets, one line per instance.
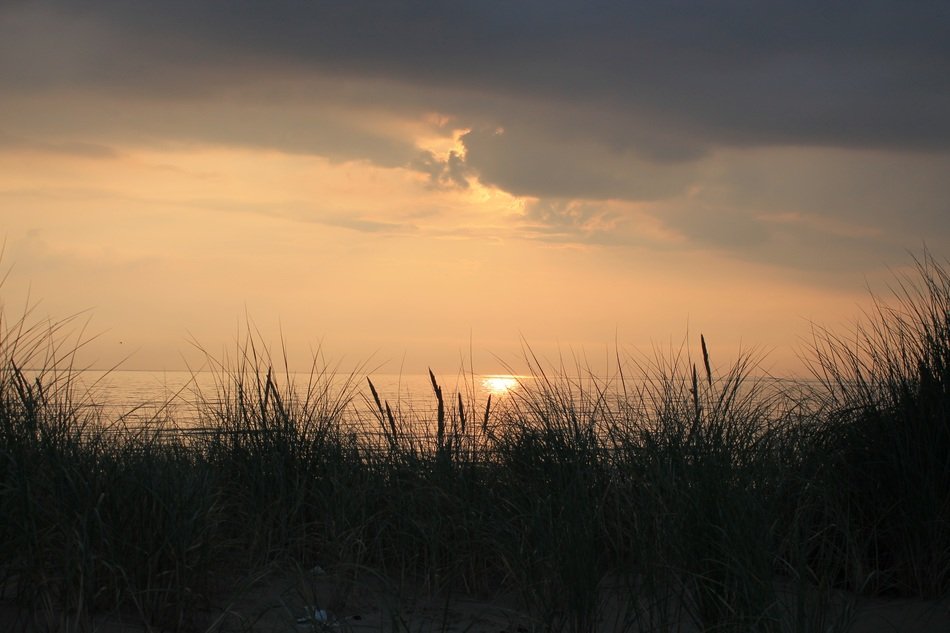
[646, 500]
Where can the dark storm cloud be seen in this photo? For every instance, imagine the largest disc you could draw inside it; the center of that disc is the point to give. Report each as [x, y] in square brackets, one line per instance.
[836, 73]
[563, 100]
[525, 160]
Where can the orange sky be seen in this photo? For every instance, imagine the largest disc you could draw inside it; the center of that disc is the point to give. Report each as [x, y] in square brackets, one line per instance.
[410, 219]
[165, 246]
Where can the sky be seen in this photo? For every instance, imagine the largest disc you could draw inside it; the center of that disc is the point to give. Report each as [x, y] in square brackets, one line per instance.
[412, 184]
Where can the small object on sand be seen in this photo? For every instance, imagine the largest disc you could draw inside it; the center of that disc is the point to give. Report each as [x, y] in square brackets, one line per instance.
[315, 615]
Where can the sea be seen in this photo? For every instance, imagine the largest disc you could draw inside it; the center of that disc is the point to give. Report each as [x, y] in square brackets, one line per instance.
[184, 398]
[141, 396]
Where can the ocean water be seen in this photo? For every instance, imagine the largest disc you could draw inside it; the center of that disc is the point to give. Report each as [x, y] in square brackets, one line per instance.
[186, 398]
[139, 396]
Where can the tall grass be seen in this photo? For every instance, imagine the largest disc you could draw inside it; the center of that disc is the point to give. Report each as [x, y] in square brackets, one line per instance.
[886, 449]
[672, 493]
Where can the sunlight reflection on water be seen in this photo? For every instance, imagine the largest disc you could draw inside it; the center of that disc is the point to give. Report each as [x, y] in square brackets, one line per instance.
[498, 385]
[144, 395]
[187, 399]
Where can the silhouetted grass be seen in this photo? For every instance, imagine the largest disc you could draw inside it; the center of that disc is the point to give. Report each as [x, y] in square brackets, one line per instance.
[670, 492]
[885, 450]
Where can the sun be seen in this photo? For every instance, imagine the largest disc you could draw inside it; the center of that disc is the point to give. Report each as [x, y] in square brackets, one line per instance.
[499, 384]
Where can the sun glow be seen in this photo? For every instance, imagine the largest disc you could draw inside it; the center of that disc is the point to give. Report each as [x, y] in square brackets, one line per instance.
[499, 385]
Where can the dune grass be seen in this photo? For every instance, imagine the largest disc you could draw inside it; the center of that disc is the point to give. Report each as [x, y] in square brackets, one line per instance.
[670, 492]
[886, 395]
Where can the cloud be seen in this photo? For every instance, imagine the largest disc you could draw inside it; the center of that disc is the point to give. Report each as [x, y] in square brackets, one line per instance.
[716, 113]
[321, 127]
[901, 194]
[353, 220]
[735, 73]
[565, 213]
[572, 222]
[527, 162]
[583, 223]
[68, 148]
[814, 209]
[452, 171]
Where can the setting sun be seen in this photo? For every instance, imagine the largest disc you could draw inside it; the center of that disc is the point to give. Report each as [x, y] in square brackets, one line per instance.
[499, 385]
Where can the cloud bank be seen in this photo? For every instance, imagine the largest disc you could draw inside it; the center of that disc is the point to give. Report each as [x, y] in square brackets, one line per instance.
[749, 119]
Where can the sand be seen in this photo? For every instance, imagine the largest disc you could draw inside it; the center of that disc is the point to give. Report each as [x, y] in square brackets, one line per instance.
[305, 602]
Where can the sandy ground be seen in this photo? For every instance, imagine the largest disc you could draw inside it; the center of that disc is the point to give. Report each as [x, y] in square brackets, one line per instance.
[315, 602]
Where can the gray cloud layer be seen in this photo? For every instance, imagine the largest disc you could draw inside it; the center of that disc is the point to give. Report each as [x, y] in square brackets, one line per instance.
[596, 100]
[838, 73]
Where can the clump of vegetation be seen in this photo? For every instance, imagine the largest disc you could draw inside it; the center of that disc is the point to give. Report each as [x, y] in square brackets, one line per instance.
[885, 450]
[671, 492]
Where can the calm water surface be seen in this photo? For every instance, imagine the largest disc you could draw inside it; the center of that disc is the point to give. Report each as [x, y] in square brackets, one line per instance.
[141, 395]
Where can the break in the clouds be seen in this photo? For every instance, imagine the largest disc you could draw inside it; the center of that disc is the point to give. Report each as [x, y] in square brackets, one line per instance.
[700, 104]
